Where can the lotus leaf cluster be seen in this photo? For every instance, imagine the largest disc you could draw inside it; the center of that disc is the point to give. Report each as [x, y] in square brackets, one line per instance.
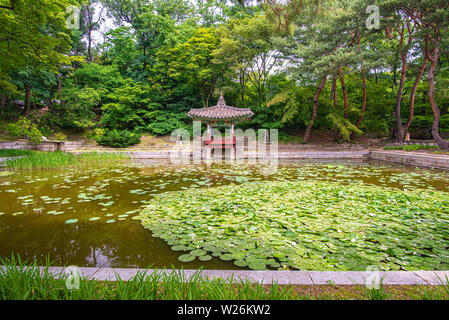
[305, 225]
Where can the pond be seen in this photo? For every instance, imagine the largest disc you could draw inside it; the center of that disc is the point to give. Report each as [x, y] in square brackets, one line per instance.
[89, 217]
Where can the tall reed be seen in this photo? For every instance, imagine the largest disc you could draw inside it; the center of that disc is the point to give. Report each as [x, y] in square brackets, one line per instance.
[58, 159]
[14, 152]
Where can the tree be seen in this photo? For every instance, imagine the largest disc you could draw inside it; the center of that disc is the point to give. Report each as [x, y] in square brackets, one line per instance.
[432, 19]
[89, 23]
[192, 61]
[33, 37]
[247, 51]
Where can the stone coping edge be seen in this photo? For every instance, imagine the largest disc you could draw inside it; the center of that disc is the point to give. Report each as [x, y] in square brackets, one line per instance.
[270, 277]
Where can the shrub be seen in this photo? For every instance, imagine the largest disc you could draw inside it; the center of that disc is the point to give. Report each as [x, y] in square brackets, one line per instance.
[444, 122]
[165, 123]
[118, 138]
[60, 136]
[412, 147]
[24, 128]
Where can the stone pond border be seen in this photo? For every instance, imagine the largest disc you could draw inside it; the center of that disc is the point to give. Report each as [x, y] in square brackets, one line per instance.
[269, 277]
[416, 159]
[437, 161]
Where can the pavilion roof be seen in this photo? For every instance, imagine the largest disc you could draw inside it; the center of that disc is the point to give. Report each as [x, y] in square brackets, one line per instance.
[220, 112]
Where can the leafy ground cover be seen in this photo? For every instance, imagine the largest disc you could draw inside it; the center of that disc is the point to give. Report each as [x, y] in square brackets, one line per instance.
[306, 225]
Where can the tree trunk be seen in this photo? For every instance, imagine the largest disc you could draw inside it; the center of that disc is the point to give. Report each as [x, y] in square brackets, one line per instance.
[89, 47]
[27, 98]
[413, 94]
[436, 111]
[60, 90]
[315, 108]
[362, 113]
[242, 87]
[345, 93]
[3, 102]
[49, 104]
[400, 132]
[395, 82]
[334, 90]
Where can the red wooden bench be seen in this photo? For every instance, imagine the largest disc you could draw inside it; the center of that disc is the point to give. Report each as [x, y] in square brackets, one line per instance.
[226, 142]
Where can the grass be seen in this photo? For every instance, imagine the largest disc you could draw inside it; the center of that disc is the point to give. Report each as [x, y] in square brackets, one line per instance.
[58, 159]
[413, 147]
[14, 152]
[20, 280]
[374, 292]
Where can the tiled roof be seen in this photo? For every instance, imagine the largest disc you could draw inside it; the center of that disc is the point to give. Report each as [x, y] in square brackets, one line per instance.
[220, 111]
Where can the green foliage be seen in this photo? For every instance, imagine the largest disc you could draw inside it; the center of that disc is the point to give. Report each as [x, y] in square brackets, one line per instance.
[24, 128]
[119, 138]
[342, 126]
[60, 136]
[444, 122]
[33, 37]
[14, 152]
[293, 104]
[131, 107]
[166, 57]
[165, 123]
[412, 147]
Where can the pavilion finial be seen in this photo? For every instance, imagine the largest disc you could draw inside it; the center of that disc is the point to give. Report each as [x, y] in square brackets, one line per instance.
[221, 101]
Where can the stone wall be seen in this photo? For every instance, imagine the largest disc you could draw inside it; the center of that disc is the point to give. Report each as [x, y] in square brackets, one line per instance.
[44, 146]
[412, 158]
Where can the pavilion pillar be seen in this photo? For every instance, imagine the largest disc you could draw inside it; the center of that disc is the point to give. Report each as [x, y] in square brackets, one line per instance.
[208, 131]
[233, 151]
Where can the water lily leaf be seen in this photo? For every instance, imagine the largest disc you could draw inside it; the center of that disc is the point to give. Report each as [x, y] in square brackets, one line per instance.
[205, 258]
[186, 258]
[198, 252]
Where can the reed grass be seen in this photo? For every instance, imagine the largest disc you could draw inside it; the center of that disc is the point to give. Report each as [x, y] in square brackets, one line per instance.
[20, 280]
[14, 152]
[58, 159]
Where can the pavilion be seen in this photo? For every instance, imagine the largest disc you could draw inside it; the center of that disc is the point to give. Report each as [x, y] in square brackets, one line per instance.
[220, 115]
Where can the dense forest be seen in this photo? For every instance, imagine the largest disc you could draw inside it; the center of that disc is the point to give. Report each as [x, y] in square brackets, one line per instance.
[122, 68]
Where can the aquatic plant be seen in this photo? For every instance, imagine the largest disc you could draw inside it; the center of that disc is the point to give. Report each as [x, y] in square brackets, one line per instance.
[306, 225]
[14, 152]
[58, 159]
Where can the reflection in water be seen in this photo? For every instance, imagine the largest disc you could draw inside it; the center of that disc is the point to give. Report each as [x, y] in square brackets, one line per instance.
[35, 205]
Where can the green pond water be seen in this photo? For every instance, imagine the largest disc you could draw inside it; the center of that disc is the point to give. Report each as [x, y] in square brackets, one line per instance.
[84, 217]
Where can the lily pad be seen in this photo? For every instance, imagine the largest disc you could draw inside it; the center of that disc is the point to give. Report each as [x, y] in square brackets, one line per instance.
[205, 258]
[186, 258]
